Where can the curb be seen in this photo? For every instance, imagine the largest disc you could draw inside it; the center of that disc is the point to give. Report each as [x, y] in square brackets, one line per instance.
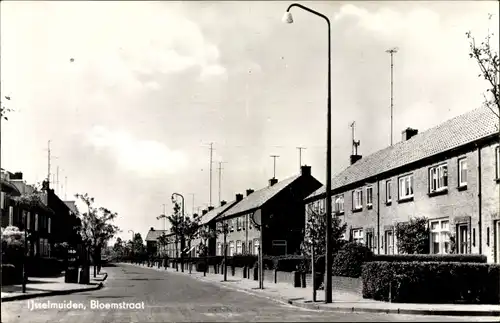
[51, 293]
[299, 302]
[394, 311]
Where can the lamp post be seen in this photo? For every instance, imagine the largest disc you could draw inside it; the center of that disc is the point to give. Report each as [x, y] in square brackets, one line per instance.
[26, 252]
[182, 236]
[328, 257]
[132, 251]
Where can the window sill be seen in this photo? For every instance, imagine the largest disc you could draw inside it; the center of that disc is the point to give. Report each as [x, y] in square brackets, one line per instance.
[405, 199]
[437, 193]
[462, 187]
[357, 210]
[340, 213]
[369, 207]
[388, 203]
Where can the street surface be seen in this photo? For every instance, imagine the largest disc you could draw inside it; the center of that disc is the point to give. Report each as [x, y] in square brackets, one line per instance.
[170, 297]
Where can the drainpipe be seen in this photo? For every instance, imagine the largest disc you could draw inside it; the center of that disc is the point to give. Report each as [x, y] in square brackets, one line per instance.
[480, 222]
[378, 217]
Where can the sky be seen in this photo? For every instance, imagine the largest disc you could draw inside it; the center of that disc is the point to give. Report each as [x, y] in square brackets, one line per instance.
[152, 84]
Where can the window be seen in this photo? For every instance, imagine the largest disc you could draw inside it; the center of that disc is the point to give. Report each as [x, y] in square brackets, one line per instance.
[243, 250]
[369, 196]
[357, 199]
[440, 236]
[256, 245]
[370, 241]
[498, 161]
[406, 186]
[36, 222]
[219, 249]
[344, 236]
[339, 203]
[28, 220]
[249, 221]
[11, 215]
[463, 238]
[250, 250]
[357, 235]
[438, 178]
[231, 225]
[239, 249]
[462, 172]
[2, 200]
[238, 223]
[322, 206]
[388, 191]
[231, 248]
[389, 242]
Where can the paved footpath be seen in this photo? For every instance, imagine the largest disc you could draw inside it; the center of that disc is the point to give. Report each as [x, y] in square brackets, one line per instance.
[172, 297]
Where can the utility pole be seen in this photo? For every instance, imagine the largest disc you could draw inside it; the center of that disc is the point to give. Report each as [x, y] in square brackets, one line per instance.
[57, 179]
[211, 152]
[274, 157]
[192, 194]
[355, 143]
[48, 171]
[220, 180]
[65, 187]
[300, 156]
[392, 51]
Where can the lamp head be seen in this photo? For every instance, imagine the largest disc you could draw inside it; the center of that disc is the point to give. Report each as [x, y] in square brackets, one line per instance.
[287, 17]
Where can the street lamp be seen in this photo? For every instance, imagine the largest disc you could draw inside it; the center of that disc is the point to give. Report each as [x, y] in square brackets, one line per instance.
[133, 236]
[287, 18]
[26, 252]
[182, 237]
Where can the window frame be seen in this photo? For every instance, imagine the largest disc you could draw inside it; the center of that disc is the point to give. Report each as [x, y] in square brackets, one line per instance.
[389, 249]
[497, 162]
[357, 196]
[434, 172]
[369, 196]
[238, 242]
[231, 248]
[339, 203]
[461, 161]
[388, 191]
[256, 245]
[441, 244]
[408, 183]
[360, 239]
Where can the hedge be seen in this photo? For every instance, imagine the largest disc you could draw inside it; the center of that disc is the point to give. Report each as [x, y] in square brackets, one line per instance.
[349, 260]
[432, 282]
[44, 267]
[429, 257]
[11, 274]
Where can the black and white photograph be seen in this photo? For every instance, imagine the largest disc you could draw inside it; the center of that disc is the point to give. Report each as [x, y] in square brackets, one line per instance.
[249, 161]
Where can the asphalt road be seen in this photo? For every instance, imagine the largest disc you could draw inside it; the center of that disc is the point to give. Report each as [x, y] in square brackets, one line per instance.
[176, 298]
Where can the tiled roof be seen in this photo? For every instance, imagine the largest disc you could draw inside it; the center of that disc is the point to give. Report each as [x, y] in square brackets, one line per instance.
[154, 234]
[466, 128]
[258, 198]
[215, 212]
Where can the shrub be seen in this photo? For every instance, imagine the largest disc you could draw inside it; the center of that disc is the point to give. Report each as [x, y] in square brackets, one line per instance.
[11, 274]
[432, 282]
[349, 260]
[244, 260]
[44, 267]
[427, 257]
[413, 236]
[286, 263]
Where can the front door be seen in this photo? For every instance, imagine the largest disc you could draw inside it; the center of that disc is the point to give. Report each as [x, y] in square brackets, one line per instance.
[463, 238]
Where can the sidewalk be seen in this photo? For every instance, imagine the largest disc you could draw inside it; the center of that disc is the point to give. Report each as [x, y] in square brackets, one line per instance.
[342, 301]
[50, 286]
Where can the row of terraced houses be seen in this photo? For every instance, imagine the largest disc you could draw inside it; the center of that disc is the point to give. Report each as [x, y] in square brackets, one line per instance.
[449, 174]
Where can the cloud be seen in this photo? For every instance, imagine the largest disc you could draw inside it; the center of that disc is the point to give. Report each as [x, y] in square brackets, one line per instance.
[144, 157]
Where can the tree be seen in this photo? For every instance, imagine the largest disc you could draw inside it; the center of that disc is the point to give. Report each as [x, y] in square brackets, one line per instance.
[4, 110]
[97, 228]
[413, 236]
[488, 61]
[163, 240]
[315, 232]
[119, 249]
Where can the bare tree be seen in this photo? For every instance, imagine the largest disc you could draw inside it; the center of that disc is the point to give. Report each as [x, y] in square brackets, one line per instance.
[488, 61]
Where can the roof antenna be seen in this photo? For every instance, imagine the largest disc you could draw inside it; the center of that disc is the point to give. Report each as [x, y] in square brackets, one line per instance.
[355, 144]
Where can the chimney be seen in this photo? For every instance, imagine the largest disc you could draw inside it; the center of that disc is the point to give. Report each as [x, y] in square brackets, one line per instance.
[273, 181]
[152, 229]
[210, 208]
[355, 158]
[249, 191]
[408, 133]
[195, 215]
[204, 212]
[17, 175]
[222, 203]
[239, 197]
[305, 170]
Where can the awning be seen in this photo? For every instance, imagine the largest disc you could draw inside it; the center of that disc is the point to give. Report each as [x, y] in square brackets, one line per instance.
[9, 188]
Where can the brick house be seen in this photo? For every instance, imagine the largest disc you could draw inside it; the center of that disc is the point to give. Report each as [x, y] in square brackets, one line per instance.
[208, 220]
[448, 174]
[280, 206]
[152, 241]
[37, 218]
